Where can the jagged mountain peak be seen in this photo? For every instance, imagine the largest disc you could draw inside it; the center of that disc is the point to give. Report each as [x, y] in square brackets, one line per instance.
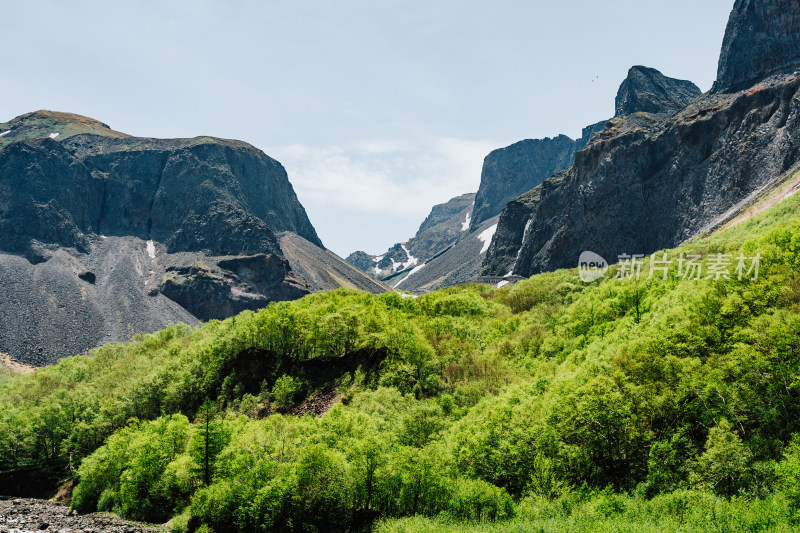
[646, 90]
[762, 38]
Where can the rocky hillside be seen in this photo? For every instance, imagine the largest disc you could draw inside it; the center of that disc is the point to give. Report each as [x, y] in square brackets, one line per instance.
[442, 228]
[513, 170]
[106, 235]
[322, 269]
[648, 182]
[459, 263]
[508, 172]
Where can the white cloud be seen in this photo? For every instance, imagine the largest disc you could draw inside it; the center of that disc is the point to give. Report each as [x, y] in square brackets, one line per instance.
[396, 181]
[384, 176]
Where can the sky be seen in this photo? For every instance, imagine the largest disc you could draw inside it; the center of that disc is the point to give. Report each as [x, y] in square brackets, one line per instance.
[378, 109]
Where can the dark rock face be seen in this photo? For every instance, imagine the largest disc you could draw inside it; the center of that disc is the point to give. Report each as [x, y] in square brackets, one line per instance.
[587, 134]
[46, 195]
[100, 217]
[361, 260]
[192, 194]
[762, 38]
[645, 184]
[212, 295]
[447, 212]
[646, 90]
[511, 171]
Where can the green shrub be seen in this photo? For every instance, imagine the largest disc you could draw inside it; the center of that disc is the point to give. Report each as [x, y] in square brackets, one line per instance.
[285, 390]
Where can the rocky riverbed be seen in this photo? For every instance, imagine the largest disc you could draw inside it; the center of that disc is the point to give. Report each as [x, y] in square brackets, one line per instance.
[19, 515]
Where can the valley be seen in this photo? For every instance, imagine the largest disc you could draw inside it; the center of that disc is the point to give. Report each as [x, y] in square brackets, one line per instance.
[180, 352]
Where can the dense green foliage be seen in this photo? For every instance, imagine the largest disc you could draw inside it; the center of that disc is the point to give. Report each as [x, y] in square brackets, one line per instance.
[620, 405]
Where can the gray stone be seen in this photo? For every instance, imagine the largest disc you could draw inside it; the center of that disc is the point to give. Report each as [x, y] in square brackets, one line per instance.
[646, 90]
[762, 38]
[513, 170]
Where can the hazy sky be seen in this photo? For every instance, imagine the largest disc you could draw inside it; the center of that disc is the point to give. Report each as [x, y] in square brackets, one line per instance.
[378, 109]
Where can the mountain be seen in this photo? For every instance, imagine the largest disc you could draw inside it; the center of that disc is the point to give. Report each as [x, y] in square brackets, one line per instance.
[457, 264]
[510, 171]
[650, 180]
[451, 243]
[106, 235]
[515, 169]
[761, 39]
[441, 229]
[507, 173]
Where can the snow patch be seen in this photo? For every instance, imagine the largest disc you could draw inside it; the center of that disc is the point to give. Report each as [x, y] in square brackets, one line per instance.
[377, 270]
[103, 237]
[378, 259]
[465, 224]
[486, 236]
[5, 133]
[413, 271]
[151, 249]
[510, 273]
[411, 259]
[54, 135]
[502, 284]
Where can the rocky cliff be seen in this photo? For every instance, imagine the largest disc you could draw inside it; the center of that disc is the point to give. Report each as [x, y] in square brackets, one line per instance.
[510, 171]
[451, 243]
[649, 180]
[105, 235]
[587, 133]
[762, 38]
[645, 184]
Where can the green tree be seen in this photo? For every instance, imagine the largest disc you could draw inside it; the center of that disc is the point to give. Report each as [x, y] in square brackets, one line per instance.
[284, 391]
[788, 473]
[723, 467]
[209, 439]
